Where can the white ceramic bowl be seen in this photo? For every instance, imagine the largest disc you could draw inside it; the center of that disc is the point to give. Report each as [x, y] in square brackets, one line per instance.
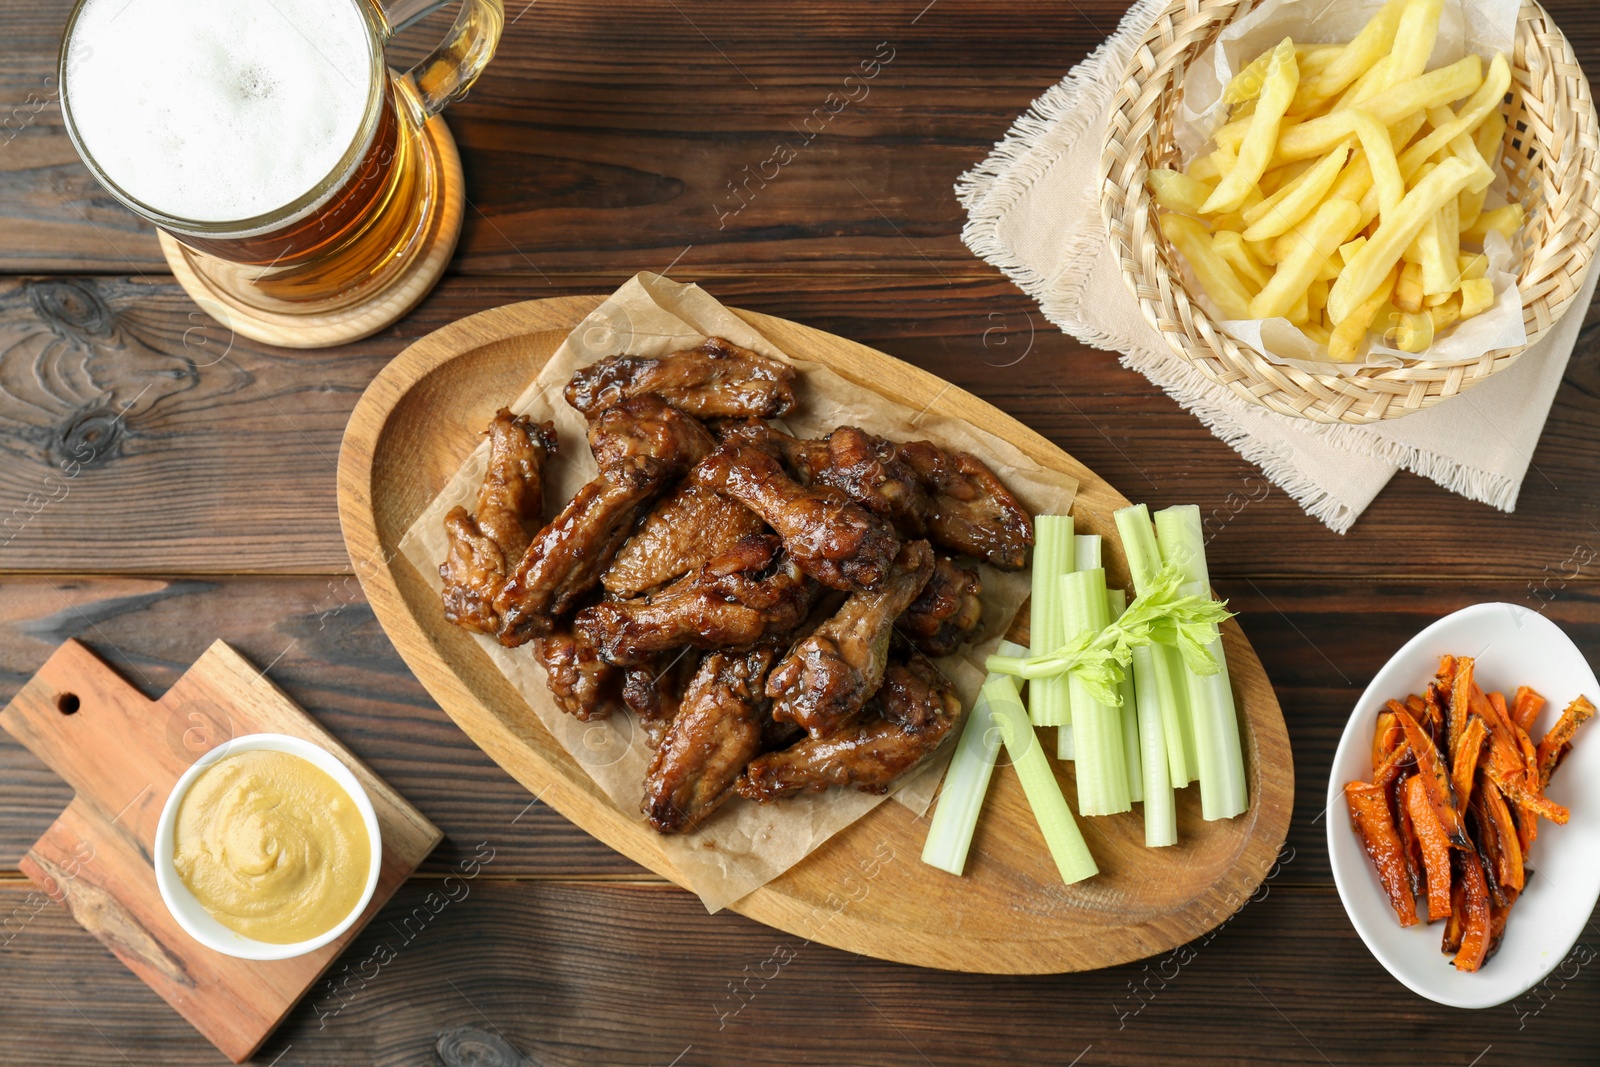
[189, 912]
[1513, 646]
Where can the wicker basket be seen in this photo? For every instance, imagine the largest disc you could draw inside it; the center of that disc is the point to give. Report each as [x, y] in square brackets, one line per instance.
[1550, 157]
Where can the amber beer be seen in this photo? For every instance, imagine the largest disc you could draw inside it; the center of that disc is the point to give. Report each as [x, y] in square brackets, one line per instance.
[268, 135]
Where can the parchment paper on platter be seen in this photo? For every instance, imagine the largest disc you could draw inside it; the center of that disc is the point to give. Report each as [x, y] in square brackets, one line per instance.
[744, 845]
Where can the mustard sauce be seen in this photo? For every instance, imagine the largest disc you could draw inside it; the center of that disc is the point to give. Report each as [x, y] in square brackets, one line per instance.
[272, 846]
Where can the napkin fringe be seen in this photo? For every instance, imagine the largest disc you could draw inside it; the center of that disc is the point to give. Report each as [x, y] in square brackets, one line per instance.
[1485, 487]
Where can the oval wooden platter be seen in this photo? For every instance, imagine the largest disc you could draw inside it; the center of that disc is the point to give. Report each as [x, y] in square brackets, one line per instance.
[867, 889]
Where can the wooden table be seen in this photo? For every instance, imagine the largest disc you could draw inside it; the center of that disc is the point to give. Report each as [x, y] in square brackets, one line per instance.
[606, 139]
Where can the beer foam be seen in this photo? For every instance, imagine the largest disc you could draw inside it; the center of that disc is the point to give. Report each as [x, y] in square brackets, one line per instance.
[218, 110]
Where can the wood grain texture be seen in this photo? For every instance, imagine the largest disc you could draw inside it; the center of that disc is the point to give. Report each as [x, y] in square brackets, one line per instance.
[122, 754]
[603, 141]
[581, 974]
[139, 437]
[1009, 913]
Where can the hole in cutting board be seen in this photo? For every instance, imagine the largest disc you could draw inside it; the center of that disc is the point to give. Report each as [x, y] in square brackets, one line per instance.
[68, 703]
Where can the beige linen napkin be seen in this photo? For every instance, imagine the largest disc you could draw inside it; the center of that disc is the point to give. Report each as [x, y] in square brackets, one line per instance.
[1034, 212]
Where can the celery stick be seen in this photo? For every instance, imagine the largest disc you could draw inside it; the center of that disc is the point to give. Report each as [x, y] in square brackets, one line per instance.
[1223, 793]
[1053, 556]
[1219, 755]
[965, 783]
[1102, 767]
[1087, 549]
[1039, 783]
[1116, 604]
[1160, 812]
[1066, 749]
[1167, 671]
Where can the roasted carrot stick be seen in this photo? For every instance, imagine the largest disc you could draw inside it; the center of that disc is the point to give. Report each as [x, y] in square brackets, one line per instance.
[1435, 707]
[1507, 854]
[1526, 707]
[1460, 698]
[1393, 765]
[1516, 791]
[1475, 927]
[1498, 914]
[1369, 815]
[1385, 736]
[1554, 745]
[1455, 923]
[1410, 847]
[1466, 759]
[1503, 752]
[1435, 779]
[1435, 846]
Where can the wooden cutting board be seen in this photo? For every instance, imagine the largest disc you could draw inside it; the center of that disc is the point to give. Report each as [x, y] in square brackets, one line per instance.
[122, 754]
[866, 890]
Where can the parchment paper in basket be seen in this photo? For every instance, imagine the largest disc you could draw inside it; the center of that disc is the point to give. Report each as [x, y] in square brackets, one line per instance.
[744, 845]
[1481, 26]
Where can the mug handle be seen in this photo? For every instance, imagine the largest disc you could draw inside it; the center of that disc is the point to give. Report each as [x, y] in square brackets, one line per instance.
[450, 69]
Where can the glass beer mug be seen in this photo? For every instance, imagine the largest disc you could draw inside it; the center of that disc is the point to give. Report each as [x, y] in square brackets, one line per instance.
[299, 174]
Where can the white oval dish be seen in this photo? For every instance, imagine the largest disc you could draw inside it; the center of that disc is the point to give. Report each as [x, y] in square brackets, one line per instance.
[1513, 646]
[192, 915]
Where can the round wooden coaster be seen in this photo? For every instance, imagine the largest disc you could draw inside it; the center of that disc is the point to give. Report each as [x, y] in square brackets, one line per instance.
[308, 327]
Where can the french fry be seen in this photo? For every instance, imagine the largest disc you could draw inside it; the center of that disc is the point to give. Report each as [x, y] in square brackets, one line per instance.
[1477, 294]
[1283, 209]
[1435, 299]
[1231, 247]
[1412, 331]
[1205, 169]
[1177, 191]
[1262, 251]
[1246, 84]
[1380, 159]
[1316, 299]
[1317, 241]
[1441, 268]
[1486, 97]
[1413, 41]
[1315, 137]
[1366, 86]
[1394, 233]
[1445, 315]
[1256, 150]
[1354, 59]
[1489, 137]
[1351, 247]
[1344, 344]
[1408, 290]
[1502, 220]
[1299, 312]
[1190, 237]
[1473, 265]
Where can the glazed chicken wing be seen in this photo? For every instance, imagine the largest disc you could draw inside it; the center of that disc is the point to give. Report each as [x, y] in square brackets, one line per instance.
[900, 728]
[868, 469]
[641, 445]
[716, 379]
[973, 512]
[686, 528]
[653, 691]
[833, 539]
[584, 685]
[951, 498]
[735, 599]
[826, 678]
[487, 542]
[945, 613]
[717, 731]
